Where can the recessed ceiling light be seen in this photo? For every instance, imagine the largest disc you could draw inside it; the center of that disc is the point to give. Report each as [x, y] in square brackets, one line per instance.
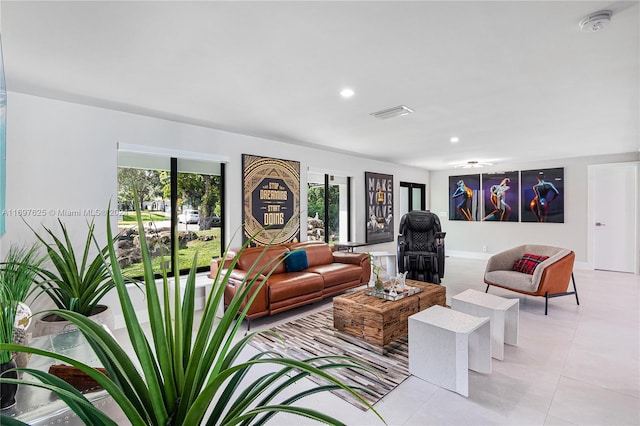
[454, 139]
[347, 93]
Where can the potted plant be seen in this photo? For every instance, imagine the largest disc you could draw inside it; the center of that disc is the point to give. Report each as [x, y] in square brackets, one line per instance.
[73, 283]
[184, 377]
[8, 308]
[19, 273]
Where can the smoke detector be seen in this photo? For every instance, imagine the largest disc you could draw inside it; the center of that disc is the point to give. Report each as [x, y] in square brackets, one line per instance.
[595, 21]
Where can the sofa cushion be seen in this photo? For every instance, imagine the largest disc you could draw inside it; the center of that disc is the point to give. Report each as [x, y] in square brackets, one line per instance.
[261, 257]
[296, 261]
[337, 273]
[528, 262]
[292, 284]
[318, 253]
[511, 279]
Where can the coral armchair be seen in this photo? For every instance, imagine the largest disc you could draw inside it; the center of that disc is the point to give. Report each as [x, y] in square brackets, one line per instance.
[547, 272]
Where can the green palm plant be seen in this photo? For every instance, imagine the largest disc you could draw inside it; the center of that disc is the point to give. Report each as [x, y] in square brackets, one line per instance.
[188, 378]
[20, 269]
[72, 283]
[8, 309]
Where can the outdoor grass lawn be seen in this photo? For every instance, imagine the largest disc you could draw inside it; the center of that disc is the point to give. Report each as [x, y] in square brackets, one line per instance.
[129, 218]
[205, 249]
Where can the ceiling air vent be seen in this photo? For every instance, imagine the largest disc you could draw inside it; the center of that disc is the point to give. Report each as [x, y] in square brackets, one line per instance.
[392, 112]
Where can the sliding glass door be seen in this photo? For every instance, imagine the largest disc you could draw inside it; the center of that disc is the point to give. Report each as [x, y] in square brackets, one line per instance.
[328, 206]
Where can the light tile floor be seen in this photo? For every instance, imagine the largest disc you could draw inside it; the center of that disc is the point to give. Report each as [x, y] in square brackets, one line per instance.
[578, 365]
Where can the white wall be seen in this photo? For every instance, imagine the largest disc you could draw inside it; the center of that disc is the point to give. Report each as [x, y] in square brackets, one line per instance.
[63, 156]
[468, 238]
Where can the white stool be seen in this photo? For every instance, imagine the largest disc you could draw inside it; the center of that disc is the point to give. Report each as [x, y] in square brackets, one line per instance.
[504, 314]
[444, 344]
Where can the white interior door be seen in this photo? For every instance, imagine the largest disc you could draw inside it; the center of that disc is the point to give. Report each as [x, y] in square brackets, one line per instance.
[613, 202]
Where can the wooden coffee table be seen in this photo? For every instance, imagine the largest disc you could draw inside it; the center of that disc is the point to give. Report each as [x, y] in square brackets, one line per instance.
[380, 322]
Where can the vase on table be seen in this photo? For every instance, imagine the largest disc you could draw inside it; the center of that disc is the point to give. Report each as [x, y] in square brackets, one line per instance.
[379, 286]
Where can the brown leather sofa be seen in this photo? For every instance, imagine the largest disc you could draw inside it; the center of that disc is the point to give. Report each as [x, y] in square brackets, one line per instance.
[329, 272]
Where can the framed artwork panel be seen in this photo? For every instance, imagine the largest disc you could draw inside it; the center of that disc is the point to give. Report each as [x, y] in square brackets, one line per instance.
[379, 207]
[500, 196]
[271, 200]
[542, 195]
[464, 197]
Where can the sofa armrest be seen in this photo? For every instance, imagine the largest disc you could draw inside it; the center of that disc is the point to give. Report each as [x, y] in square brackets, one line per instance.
[361, 259]
[554, 274]
[349, 257]
[237, 276]
[237, 281]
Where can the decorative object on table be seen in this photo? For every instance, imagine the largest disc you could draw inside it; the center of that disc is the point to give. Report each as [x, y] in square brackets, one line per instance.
[176, 377]
[379, 207]
[376, 274]
[271, 207]
[20, 336]
[73, 283]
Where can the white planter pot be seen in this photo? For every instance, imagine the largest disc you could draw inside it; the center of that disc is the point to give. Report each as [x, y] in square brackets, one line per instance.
[51, 323]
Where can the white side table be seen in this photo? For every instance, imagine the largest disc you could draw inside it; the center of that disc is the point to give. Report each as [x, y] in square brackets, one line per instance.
[444, 344]
[504, 314]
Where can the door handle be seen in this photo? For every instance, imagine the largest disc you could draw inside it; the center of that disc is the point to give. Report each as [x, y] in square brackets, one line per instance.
[600, 224]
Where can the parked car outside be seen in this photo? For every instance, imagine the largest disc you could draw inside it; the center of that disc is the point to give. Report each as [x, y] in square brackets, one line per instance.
[215, 220]
[189, 216]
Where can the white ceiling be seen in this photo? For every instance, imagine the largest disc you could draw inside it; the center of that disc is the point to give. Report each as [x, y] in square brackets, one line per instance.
[513, 80]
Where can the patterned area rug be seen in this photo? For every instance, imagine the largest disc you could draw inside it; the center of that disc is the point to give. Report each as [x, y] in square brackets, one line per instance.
[314, 335]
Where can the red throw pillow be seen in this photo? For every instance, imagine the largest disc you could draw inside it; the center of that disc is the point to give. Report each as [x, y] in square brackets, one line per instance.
[528, 262]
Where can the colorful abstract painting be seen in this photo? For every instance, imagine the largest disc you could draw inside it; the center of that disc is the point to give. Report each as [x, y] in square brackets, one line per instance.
[464, 197]
[500, 193]
[542, 195]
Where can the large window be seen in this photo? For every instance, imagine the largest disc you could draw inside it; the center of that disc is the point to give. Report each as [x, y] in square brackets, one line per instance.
[328, 207]
[170, 192]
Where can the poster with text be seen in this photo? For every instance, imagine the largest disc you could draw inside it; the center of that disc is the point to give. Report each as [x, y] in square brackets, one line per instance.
[271, 211]
[379, 207]
[542, 195]
[464, 197]
[500, 193]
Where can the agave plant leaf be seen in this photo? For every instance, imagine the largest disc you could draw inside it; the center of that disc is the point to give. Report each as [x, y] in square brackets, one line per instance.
[176, 376]
[72, 283]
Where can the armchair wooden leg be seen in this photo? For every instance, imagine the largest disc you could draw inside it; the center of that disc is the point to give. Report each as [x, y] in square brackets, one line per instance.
[487, 289]
[575, 290]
